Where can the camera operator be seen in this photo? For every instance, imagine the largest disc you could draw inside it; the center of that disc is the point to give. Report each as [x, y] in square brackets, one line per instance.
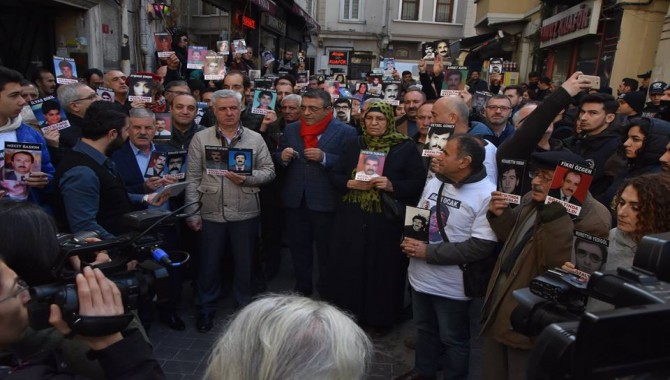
[98, 297]
[537, 237]
[32, 257]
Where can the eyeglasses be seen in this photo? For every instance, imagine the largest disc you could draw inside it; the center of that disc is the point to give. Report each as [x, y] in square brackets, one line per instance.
[496, 108]
[311, 108]
[341, 107]
[20, 286]
[93, 96]
[179, 92]
[536, 173]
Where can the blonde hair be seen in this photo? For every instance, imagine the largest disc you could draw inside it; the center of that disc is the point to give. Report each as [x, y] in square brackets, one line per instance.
[284, 337]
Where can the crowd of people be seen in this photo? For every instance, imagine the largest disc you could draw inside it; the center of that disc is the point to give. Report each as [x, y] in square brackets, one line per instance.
[333, 189]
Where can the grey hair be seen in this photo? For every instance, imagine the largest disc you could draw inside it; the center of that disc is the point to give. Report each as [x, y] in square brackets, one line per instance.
[294, 97]
[516, 117]
[141, 113]
[290, 337]
[68, 93]
[224, 94]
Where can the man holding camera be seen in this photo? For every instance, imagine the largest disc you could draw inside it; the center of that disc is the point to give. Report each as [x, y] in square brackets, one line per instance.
[98, 298]
[537, 237]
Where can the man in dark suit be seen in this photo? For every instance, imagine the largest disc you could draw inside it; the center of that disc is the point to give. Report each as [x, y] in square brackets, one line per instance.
[239, 163]
[309, 148]
[566, 192]
[132, 160]
[22, 163]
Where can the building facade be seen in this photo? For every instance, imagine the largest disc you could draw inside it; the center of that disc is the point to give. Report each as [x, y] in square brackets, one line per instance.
[266, 25]
[369, 30]
[90, 31]
[613, 39]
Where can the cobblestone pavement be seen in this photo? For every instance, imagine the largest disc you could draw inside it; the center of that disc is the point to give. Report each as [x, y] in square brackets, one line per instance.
[184, 354]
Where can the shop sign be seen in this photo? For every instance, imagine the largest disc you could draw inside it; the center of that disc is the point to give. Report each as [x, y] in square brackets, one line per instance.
[338, 57]
[575, 22]
[248, 22]
[273, 23]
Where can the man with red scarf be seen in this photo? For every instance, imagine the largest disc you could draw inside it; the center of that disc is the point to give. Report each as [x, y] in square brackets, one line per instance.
[309, 148]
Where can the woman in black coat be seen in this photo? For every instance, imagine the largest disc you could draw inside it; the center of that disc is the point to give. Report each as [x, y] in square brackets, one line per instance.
[367, 268]
[644, 143]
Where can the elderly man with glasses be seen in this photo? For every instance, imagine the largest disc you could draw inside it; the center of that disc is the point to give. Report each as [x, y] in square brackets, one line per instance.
[534, 124]
[536, 237]
[75, 99]
[308, 149]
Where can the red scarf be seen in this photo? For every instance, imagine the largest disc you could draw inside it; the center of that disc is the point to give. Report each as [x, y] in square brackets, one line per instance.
[309, 133]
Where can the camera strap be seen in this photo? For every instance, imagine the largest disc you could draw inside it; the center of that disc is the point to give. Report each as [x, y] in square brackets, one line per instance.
[98, 326]
[441, 223]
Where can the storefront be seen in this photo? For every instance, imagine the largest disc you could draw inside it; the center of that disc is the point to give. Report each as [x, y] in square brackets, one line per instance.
[579, 38]
[245, 23]
[37, 30]
[276, 26]
[272, 29]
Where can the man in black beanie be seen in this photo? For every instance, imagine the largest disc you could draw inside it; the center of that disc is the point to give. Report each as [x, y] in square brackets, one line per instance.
[537, 237]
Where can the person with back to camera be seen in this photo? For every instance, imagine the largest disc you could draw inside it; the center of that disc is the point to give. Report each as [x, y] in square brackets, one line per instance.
[290, 337]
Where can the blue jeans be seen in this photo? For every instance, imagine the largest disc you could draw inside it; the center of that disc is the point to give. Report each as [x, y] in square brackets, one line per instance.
[440, 319]
[241, 238]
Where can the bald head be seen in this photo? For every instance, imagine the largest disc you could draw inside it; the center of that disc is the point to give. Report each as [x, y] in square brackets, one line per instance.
[452, 110]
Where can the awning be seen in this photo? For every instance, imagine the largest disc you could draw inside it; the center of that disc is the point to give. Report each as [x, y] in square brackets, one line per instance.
[474, 41]
[266, 5]
[486, 46]
[297, 9]
[223, 5]
[83, 4]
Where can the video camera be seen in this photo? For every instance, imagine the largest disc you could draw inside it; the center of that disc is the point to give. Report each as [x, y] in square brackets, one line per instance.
[573, 343]
[148, 281]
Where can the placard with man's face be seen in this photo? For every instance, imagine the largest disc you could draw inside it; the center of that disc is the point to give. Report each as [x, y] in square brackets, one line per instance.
[589, 252]
[66, 70]
[215, 67]
[163, 44]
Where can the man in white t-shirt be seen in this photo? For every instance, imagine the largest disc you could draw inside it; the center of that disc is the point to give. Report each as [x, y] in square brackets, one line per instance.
[461, 192]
